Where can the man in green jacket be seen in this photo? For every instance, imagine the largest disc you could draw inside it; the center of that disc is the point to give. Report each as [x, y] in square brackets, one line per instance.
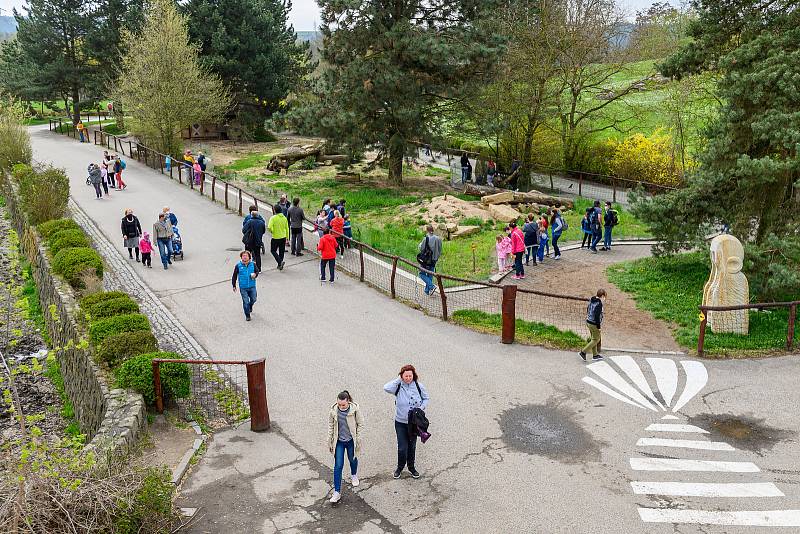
[279, 228]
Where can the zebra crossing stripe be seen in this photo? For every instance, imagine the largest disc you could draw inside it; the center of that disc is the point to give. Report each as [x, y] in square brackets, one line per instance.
[607, 373]
[759, 518]
[707, 489]
[684, 444]
[663, 427]
[678, 464]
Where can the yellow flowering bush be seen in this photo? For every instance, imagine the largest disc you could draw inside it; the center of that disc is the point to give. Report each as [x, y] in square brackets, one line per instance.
[648, 158]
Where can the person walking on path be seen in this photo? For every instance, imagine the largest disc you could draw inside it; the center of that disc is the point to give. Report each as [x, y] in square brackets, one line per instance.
[610, 220]
[587, 231]
[558, 226]
[245, 273]
[202, 160]
[595, 218]
[96, 177]
[198, 173]
[162, 232]
[327, 249]
[465, 166]
[131, 232]
[409, 394]
[283, 205]
[337, 228]
[104, 176]
[594, 318]
[296, 216]
[147, 248]
[345, 424]
[119, 166]
[517, 249]
[279, 228]
[253, 232]
[531, 232]
[430, 250]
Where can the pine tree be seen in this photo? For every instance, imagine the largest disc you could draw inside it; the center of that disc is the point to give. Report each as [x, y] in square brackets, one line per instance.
[390, 64]
[162, 85]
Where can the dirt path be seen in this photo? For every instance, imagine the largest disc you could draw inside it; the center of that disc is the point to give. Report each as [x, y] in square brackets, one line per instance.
[581, 273]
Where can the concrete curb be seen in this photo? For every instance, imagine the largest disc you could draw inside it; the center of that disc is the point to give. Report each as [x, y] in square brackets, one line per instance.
[179, 471]
[649, 351]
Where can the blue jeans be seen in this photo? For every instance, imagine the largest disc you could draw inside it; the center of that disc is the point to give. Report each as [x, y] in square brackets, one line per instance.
[164, 247]
[428, 279]
[556, 250]
[406, 446]
[338, 462]
[596, 236]
[531, 251]
[249, 298]
[540, 251]
[607, 236]
[464, 174]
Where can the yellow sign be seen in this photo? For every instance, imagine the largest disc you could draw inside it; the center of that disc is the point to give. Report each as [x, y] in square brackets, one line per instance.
[702, 316]
[474, 246]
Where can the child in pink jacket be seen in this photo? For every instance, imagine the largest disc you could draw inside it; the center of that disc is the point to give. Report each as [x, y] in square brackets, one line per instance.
[146, 247]
[503, 248]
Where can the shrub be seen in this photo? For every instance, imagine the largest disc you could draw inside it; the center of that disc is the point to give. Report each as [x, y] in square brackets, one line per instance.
[110, 308]
[150, 510]
[66, 239]
[649, 159]
[308, 163]
[15, 143]
[49, 228]
[71, 262]
[117, 348]
[137, 374]
[103, 328]
[95, 298]
[44, 192]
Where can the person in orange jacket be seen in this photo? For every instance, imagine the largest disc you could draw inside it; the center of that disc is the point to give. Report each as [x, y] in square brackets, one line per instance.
[327, 247]
[337, 225]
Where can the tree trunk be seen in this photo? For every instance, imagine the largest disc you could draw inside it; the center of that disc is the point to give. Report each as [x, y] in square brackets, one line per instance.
[397, 148]
[76, 106]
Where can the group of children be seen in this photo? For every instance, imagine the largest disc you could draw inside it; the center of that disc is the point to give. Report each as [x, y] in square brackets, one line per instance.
[336, 219]
[536, 237]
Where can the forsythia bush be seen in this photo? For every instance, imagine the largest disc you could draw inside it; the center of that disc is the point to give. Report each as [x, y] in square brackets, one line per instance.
[648, 159]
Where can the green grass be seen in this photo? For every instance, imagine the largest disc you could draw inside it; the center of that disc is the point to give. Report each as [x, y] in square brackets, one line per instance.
[248, 162]
[33, 308]
[527, 332]
[671, 288]
[53, 372]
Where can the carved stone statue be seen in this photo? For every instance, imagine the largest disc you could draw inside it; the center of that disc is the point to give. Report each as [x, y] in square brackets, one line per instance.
[727, 286]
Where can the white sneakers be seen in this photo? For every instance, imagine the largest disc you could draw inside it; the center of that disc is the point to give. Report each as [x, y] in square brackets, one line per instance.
[336, 497]
[354, 481]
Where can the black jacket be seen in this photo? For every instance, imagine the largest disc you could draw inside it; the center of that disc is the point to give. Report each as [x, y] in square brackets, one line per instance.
[131, 228]
[253, 232]
[594, 312]
[417, 421]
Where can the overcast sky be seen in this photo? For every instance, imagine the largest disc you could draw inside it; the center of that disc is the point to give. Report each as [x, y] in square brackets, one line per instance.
[305, 13]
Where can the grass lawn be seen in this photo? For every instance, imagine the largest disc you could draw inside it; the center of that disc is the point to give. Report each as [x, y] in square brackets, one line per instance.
[377, 216]
[672, 289]
[527, 332]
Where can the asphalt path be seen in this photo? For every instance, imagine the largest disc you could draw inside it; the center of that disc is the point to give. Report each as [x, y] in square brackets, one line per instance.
[520, 442]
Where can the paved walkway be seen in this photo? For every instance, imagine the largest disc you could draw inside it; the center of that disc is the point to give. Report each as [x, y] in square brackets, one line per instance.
[477, 468]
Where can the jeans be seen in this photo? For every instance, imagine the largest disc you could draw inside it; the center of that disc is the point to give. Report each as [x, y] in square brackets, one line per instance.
[531, 250]
[331, 268]
[596, 236]
[110, 178]
[338, 462]
[296, 241]
[518, 268]
[97, 190]
[587, 238]
[607, 236]
[556, 250]
[406, 446]
[428, 279]
[164, 247]
[594, 342]
[540, 252]
[464, 174]
[249, 297]
[278, 248]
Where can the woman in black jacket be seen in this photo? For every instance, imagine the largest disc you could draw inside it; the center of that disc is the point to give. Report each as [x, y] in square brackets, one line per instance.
[131, 231]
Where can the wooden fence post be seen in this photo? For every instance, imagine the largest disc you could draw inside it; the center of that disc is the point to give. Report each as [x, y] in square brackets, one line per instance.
[157, 387]
[444, 297]
[257, 395]
[394, 274]
[213, 187]
[226, 196]
[240, 201]
[509, 310]
[361, 261]
[790, 331]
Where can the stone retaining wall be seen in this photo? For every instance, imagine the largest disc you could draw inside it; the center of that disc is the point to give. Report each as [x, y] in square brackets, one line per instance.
[110, 418]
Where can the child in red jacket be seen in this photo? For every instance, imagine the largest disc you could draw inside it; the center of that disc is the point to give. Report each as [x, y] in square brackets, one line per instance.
[327, 247]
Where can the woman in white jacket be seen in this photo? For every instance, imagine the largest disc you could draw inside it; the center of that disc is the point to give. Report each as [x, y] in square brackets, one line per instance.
[345, 424]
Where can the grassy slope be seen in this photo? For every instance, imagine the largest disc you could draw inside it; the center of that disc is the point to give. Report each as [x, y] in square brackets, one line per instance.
[672, 289]
[527, 332]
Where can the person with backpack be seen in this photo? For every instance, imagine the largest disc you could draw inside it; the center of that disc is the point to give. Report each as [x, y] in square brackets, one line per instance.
[430, 250]
[410, 395]
[279, 228]
[531, 232]
[296, 216]
[610, 220]
[558, 225]
[345, 424]
[96, 179]
[245, 273]
[253, 232]
[587, 232]
[119, 166]
[202, 160]
[595, 214]
[327, 252]
[594, 318]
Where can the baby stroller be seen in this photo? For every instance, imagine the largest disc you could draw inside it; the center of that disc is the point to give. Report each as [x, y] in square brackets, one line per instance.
[177, 243]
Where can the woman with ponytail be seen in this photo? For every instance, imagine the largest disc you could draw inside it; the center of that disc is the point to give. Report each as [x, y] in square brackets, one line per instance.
[344, 435]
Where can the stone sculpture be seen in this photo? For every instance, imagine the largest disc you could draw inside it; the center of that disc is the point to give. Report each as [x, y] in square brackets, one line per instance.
[727, 286]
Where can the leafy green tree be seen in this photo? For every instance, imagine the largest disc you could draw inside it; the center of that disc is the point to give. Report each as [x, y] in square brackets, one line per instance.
[252, 47]
[749, 175]
[162, 85]
[392, 65]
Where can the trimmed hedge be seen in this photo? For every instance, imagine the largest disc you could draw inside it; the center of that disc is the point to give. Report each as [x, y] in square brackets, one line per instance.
[70, 262]
[110, 326]
[137, 374]
[110, 308]
[89, 301]
[66, 239]
[115, 349]
[51, 227]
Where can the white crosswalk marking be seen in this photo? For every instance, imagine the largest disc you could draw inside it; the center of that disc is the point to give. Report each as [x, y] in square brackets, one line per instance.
[679, 464]
[663, 427]
[684, 444]
[707, 489]
[760, 518]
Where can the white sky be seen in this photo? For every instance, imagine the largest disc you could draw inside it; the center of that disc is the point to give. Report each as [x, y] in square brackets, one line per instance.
[305, 13]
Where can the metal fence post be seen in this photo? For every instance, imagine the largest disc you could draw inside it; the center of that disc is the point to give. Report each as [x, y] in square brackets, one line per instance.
[790, 331]
[226, 196]
[444, 297]
[257, 395]
[240, 201]
[157, 387]
[509, 311]
[394, 274]
[130, 148]
[361, 261]
[213, 187]
[701, 338]
[614, 188]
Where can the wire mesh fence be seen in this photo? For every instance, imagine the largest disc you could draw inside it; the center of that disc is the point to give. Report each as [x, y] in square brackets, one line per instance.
[736, 320]
[563, 312]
